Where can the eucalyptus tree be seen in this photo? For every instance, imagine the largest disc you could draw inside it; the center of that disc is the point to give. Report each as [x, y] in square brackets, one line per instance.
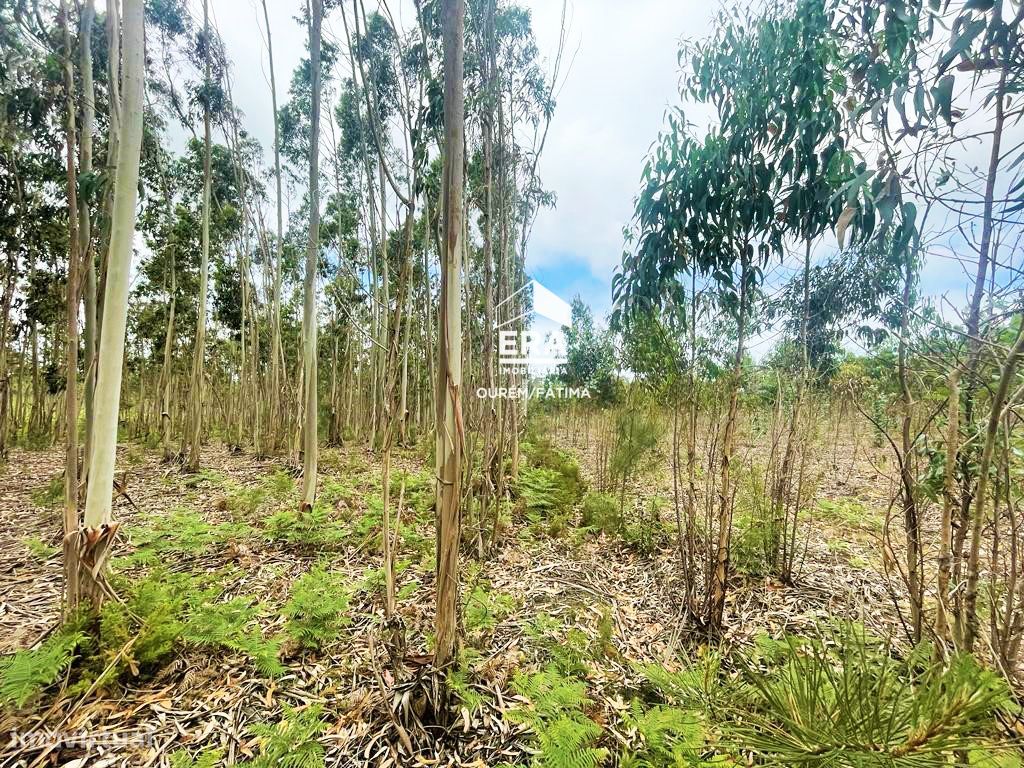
[276, 352]
[87, 15]
[309, 320]
[932, 81]
[71, 519]
[450, 437]
[96, 540]
[708, 207]
[810, 146]
[194, 424]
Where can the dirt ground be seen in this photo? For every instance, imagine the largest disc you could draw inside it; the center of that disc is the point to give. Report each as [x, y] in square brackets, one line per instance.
[203, 700]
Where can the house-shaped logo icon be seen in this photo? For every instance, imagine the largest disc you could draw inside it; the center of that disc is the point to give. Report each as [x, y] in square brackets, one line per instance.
[540, 345]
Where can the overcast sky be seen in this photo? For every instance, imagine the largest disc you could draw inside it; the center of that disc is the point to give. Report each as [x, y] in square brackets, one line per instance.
[610, 107]
[612, 102]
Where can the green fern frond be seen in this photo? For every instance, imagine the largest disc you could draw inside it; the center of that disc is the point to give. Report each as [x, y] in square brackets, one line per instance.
[292, 742]
[26, 673]
[551, 692]
[230, 625]
[485, 608]
[461, 686]
[208, 758]
[666, 735]
[542, 489]
[565, 735]
[565, 742]
[317, 609]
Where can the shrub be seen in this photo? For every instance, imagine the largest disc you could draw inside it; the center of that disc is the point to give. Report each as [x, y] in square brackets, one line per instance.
[542, 454]
[753, 543]
[461, 687]
[542, 490]
[637, 433]
[570, 651]
[647, 533]
[601, 511]
[843, 700]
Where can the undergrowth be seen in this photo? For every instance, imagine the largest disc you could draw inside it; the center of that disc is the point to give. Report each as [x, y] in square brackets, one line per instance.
[135, 637]
[566, 735]
[293, 741]
[25, 674]
[317, 609]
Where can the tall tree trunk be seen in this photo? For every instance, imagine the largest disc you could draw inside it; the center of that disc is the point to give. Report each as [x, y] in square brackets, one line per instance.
[312, 254]
[88, 14]
[491, 458]
[115, 108]
[276, 353]
[71, 522]
[95, 544]
[450, 433]
[166, 372]
[970, 620]
[197, 384]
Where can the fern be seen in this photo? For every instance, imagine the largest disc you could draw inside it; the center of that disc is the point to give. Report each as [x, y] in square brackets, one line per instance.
[565, 735]
[312, 528]
[565, 743]
[182, 532]
[569, 653]
[292, 742]
[25, 674]
[461, 686]
[484, 609]
[149, 624]
[228, 625]
[541, 490]
[208, 758]
[316, 610]
[665, 736]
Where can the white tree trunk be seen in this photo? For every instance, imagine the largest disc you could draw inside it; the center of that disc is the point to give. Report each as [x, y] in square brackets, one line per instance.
[115, 303]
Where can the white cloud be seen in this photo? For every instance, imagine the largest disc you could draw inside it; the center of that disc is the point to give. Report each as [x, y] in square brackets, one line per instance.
[623, 77]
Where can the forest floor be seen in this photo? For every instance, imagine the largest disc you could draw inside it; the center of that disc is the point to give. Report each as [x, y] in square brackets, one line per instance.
[537, 595]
